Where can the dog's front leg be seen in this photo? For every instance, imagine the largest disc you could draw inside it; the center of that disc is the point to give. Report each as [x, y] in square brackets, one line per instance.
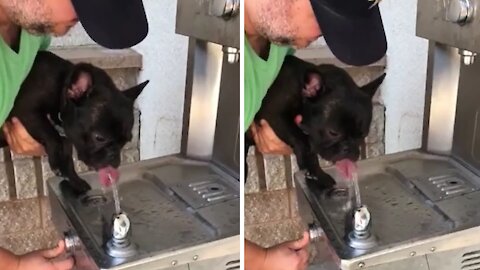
[306, 158]
[58, 149]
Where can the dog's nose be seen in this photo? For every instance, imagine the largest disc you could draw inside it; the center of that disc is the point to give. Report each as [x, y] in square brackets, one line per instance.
[344, 149]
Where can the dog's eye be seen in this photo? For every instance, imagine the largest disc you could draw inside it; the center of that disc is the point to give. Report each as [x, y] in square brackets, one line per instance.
[99, 138]
[333, 133]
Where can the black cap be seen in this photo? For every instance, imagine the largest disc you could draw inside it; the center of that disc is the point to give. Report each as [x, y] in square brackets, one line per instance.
[115, 24]
[353, 30]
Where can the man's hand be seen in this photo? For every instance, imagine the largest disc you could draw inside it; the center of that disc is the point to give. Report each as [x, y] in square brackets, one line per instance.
[266, 141]
[20, 141]
[46, 259]
[291, 255]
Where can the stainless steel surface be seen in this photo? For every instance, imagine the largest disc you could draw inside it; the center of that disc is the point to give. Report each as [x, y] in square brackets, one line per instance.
[466, 140]
[315, 232]
[233, 54]
[409, 218]
[207, 75]
[459, 11]
[224, 8]
[169, 216]
[468, 57]
[212, 101]
[226, 146]
[441, 98]
[206, 20]
[433, 25]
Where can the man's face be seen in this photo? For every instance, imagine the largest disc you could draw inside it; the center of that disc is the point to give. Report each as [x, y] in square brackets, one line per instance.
[54, 17]
[285, 22]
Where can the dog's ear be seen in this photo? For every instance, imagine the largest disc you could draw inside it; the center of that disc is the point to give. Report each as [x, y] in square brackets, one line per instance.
[372, 86]
[312, 84]
[79, 83]
[134, 92]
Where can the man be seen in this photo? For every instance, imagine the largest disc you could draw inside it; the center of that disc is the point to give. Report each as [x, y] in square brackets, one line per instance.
[353, 31]
[24, 26]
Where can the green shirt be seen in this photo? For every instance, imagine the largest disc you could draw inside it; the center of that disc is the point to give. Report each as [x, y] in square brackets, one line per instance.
[14, 67]
[259, 75]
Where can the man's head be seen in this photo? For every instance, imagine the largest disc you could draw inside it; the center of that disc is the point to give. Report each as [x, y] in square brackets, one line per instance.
[353, 29]
[54, 17]
[285, 22]
[111, 23]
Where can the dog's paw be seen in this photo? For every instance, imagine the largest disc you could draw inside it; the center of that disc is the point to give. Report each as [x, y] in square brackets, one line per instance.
[322, 181]
[80, 186]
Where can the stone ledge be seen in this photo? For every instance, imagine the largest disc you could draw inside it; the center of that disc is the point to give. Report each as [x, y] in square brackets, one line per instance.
[101, 57]
[323, 55]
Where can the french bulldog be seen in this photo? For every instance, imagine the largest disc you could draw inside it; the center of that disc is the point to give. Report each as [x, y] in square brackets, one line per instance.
[318, 110]
[81, 101]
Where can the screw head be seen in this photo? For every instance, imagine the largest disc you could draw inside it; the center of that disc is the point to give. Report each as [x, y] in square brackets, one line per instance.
[195, 257]
[432, 249]
[413, 253]
[361, 264]
[174, 262]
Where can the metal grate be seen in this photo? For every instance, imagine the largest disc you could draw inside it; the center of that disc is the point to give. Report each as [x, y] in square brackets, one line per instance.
[211, 191]
[471, 260]
[231, 265]
[451, 185]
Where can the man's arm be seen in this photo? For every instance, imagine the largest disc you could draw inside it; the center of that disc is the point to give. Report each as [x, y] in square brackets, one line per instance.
[292, 255]
[254, 256]
[8, 260]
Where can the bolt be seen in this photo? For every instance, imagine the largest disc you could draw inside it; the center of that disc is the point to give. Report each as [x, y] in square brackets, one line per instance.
[361, 264]
[174, 262]
[432, 249]
[195, 257]
[413, 253]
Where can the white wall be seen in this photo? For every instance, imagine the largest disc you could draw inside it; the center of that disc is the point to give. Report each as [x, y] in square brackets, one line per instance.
[165, 61]
[403, 90]
[164, 64]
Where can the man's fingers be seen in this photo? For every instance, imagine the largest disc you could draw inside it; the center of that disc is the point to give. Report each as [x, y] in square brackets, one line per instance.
[64, 264]
[54, 252]
[6, 133]
[300, 243]
[303, 255]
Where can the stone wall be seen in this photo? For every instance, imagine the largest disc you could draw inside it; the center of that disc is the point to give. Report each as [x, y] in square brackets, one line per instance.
[24, 210]
[271, 211]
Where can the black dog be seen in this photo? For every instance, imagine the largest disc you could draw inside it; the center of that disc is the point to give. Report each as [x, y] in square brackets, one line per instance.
[96, 117]
[336, 114]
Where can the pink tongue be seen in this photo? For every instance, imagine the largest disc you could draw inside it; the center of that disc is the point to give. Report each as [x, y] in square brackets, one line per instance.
[105, 172]
[346, 168]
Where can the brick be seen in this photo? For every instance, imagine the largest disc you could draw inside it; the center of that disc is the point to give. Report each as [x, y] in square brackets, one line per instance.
[130, 155]
[19, 215]
[252, 184]
[377, 127]
[375, 150]
[275, 174]
[25, 178]
[134, 143]
[4, 183]
[24, 242]
[266, 207]
[270, 234]
[46, 212]
[46, 174]
[124, 78]
[80, 167]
